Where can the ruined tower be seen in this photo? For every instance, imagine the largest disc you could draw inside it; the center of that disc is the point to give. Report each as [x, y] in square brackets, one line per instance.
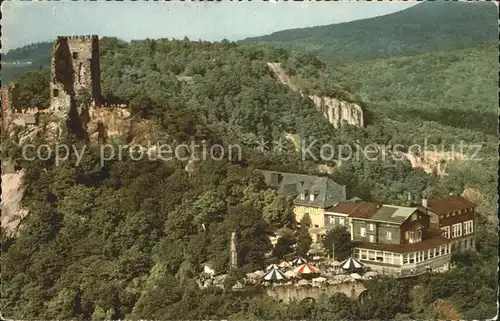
[75, 70]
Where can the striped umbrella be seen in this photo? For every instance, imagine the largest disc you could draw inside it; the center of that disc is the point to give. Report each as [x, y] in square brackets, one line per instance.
[272, 267]
[274, 275]
[351, 264]
[306, 269]
[299, 261]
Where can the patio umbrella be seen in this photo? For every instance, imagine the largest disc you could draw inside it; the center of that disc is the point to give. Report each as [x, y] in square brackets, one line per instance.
[355, 276]
[299, 261]
[319, 279]
[340, 277]
[272, 267]
[306, 269]
[284, 264]
[371, 274]
[351, 264]
[335, 263]
[274, 275]
[303, 282]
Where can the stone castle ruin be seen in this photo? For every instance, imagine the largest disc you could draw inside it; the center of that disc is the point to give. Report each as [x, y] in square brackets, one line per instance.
[75, 96]
[75, 71]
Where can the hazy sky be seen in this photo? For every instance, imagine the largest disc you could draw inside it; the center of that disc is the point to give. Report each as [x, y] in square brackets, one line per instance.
[28, 22]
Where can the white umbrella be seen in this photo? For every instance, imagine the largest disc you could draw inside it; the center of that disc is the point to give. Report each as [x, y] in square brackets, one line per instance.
[284, 264]
[272, 267]
[355, 276]
[259, 273]
[319, 279]
[340, 277]
[371, 273]
[290, 274]
[303, 282]
[335, 263]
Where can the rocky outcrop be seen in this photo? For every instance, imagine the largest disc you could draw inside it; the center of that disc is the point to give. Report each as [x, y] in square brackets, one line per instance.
[12, 194]
[338, 111]
[431, 161]
[335, 110]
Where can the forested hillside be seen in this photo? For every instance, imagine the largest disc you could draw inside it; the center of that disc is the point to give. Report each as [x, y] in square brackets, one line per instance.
[126, 239]
[429, 26]
[38, 54]
[456, 88]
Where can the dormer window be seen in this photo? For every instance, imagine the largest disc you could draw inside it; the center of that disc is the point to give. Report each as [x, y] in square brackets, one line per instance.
[311, 197]
[302, 196]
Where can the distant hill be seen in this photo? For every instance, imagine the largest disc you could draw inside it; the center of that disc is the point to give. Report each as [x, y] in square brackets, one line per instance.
[38, 54]
[430, 26]
[457, 87]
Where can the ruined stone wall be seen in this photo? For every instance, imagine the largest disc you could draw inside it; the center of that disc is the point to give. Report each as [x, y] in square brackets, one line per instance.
[6, 108]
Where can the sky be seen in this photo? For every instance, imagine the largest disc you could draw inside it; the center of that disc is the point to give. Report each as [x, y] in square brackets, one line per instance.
[25, 22]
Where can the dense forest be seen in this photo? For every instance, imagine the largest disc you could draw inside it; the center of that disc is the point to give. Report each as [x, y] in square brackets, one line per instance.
[425, 27]
[125, 239]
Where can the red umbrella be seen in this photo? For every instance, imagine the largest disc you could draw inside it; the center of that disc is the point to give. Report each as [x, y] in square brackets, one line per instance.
[307, 269]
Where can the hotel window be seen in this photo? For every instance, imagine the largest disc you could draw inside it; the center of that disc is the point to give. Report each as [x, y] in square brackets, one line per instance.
[371, 226]
[389, 235]
[431, 253]
[371, 255]
[341, 221]
[468, 228]
[362, 231]
[446, 230]
[405, 258]
[407, 235]
[331, 219]
[364, 255]
[372, 239]
[456, 230]
[411, 260]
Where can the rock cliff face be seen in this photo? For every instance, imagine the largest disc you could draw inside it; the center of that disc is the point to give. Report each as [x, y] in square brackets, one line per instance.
[431, 161]
[335, 110]
[12, 193]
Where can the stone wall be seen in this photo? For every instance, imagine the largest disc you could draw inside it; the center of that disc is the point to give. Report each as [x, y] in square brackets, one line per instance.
[286, 293]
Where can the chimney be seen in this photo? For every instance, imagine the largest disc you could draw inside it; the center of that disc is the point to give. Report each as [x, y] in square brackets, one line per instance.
[234, 252]
[424, 202]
